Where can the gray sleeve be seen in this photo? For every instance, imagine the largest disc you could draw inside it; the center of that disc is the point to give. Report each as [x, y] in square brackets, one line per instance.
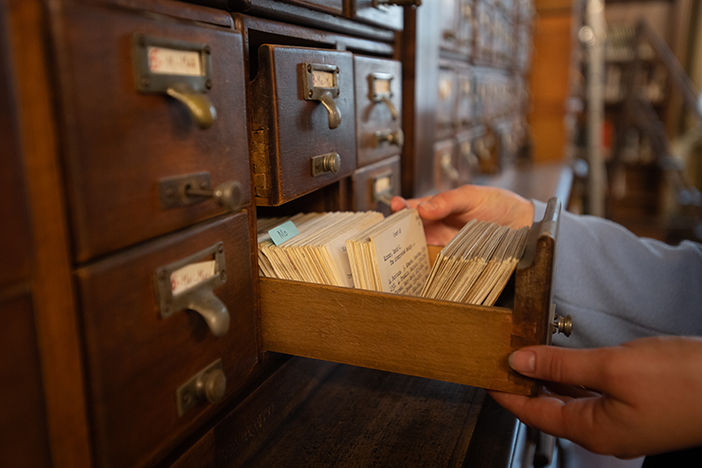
[618, 287]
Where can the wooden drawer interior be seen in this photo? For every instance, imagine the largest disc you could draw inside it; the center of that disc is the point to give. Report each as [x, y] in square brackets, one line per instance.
[441, 340]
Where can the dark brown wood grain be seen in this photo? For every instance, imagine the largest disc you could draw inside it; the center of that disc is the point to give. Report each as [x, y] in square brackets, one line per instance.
[136, 360]
[287, 131]
[367, 418]
[24, 27]
[389, 17]
[119, 143]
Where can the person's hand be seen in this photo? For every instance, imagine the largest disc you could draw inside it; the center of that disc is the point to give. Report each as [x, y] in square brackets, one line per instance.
[644, 397]
[446, 213]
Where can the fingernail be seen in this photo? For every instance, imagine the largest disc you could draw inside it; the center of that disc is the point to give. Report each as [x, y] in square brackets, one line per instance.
[427, 205]
[523, 361]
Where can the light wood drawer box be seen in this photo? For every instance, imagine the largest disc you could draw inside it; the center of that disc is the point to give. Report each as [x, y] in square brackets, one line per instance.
[378, 108]
[303, 131]
[386, 16]
[120, 142]
[441, 340]
[137, 360]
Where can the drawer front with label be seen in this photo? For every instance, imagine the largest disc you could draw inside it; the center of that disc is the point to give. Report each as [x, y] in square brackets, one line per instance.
[170, 331]
[302, 121]
[377, 12]
[465, 107]
[378, 109]
[446, 102]
[375, 185]
[165, 101]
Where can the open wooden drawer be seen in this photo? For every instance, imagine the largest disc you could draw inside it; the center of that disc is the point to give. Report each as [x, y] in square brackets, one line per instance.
[442, 340]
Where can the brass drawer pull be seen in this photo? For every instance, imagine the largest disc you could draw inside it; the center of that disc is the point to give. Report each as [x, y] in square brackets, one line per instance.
[177, 68]
[197, 292]
[321, 84]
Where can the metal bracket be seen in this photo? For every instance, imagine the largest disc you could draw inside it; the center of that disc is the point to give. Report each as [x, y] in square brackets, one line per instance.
[321, 83]
[198, 297]
[180, 69]
[326, 163]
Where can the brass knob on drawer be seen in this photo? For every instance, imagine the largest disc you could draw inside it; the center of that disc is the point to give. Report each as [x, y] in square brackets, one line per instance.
[211, 386]
[326, 163]
[227, 194]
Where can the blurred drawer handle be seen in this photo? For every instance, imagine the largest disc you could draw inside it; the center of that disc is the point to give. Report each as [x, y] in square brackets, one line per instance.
[394, 137]
[189, 284]
[380, 90]
[210, 384]
[177, 68]
[321, 83]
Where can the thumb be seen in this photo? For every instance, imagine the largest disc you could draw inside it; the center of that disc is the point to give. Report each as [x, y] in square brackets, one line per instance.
[568, 366]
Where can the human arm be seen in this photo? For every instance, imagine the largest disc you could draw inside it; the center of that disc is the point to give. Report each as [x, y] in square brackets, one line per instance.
[615, 285]
[643, 397]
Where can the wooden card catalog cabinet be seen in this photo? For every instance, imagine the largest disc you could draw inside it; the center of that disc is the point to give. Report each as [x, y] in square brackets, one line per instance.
[441, 340]
[302, 121]
[374, 186]
[158, 363]
[166, 102]
[378, 109]
[385, 13]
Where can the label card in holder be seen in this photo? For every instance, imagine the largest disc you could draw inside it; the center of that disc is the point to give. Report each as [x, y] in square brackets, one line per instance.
[191, 275]
[174, 62]
[284, 232]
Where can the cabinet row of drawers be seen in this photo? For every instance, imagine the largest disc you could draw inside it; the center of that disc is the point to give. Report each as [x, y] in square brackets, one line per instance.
[175, 124]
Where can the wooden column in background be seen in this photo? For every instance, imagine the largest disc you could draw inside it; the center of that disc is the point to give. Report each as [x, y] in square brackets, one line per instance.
[550, 78]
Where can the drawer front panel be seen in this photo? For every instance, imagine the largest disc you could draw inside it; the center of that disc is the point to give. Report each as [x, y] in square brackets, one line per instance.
[446, 102]
[302, 107]
[121, 141]
[445, 173]
[378, 109]
[137, 360]
[386, 16]
[375, 185]
[465, 107]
